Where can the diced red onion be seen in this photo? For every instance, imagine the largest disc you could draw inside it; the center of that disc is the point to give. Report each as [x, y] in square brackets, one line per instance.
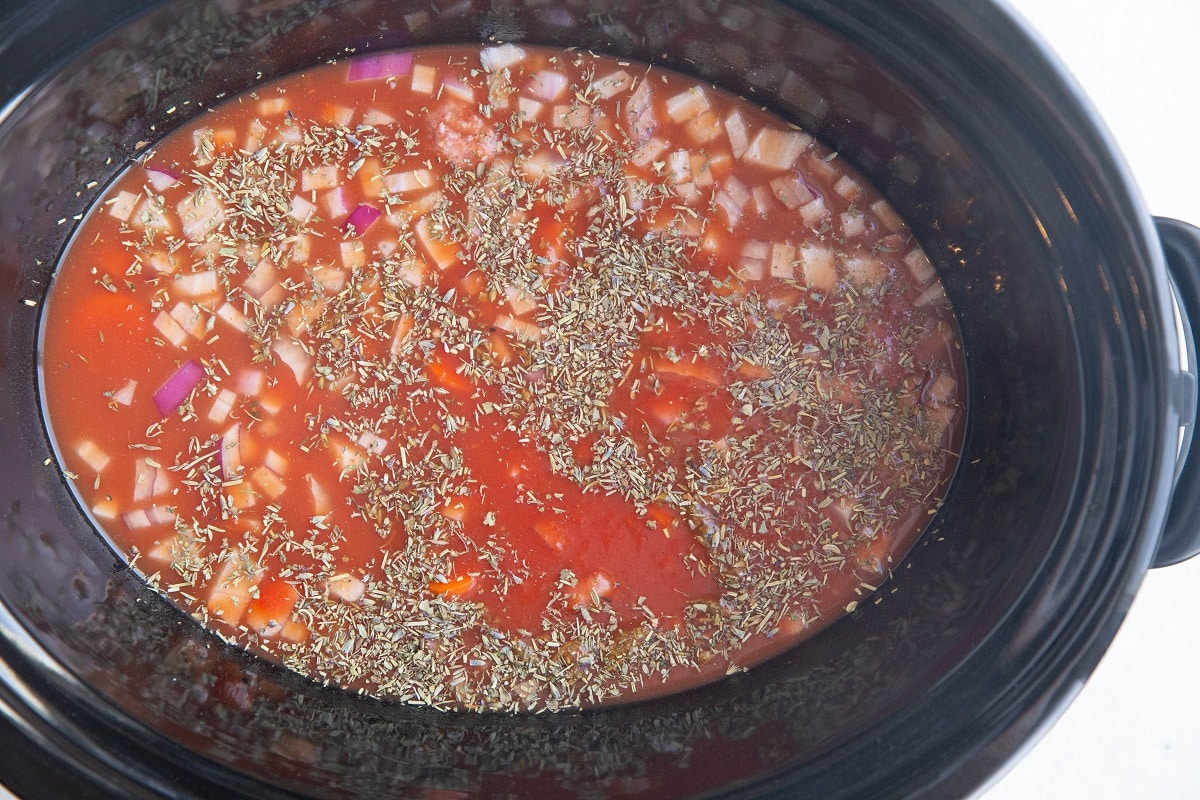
[161, 178]
[382, 65]
[362, 218]
[178, 387]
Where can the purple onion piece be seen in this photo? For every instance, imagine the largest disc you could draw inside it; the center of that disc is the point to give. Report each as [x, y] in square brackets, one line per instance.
[178, 387]
[383, 65]
[362, 218]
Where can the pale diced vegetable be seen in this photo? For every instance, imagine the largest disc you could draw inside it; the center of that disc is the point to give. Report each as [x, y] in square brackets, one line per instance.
[404, 326]
[522, 329]
[529, 110]
[649, 151]
[170, 329]
[136, 519]
[165, 263]
[571, 116]
[501, 56]
[322, 502]
[679, 166]
[293, 355]
[106, 510]
[337, 202]
[853, 224]
[819, 267]
[408, 181]
[864, 271]
[270, 483]
[737, 190]
[612, 84]
[783, 260]
[732, 209]
[939, 391]
[688, 104]
[424, 78]
[250, 382]
[639, 111]
[261, 278]
[347, 456]
[230, 594]
[331, 279]
[346, 588]
[189, 319]
[145, 480]
[301, 209]
[124, 395]
[933, 295]
[813, 212]
[354, 255]
[201, 213]
[791, 191]
[848, 188]
[884, 212]
[546, 85]
[735, 129]
[273, 106]
[230, 314]
[521, 302]
[702, 174]
[339, 115]
[122, 205]
[197, 284]
[703, 128]
[453, 87]
[756, 249]
[541, 164]
[443, 253]
[275, 462]
[222, 406]
[230, 453]
[151, 214]
[776, 149]
[92, 455]
[373, 444]
[301, 248]
[919, 265]
[325, 176]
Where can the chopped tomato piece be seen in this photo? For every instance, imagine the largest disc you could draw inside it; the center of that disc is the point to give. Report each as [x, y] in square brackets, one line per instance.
[441, 369]
[269, 613]
[552, 533]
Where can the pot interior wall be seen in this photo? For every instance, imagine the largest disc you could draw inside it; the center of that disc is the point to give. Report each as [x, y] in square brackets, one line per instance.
[119, 655]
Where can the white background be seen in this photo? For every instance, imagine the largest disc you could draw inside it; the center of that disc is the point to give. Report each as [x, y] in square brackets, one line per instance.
[1134, 730]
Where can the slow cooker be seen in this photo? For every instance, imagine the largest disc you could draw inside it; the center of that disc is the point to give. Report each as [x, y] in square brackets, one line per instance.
[1074, 478]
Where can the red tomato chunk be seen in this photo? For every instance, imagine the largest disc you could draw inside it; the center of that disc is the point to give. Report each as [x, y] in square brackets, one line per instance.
[515, 379]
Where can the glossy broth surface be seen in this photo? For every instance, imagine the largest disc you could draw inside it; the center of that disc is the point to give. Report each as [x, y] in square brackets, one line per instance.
[502, 378]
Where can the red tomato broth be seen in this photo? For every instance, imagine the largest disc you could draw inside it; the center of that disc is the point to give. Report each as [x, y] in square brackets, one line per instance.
[513, 406]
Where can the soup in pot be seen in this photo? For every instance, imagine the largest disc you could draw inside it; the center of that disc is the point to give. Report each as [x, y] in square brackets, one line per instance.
[502, 378]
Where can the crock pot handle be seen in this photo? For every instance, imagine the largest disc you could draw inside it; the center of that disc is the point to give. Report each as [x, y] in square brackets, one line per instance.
[1181, 536]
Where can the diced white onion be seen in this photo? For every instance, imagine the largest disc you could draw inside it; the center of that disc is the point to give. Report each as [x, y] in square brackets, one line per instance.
[92, 455]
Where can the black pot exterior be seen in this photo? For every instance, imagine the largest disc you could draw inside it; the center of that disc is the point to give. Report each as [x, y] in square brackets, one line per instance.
[981, 636]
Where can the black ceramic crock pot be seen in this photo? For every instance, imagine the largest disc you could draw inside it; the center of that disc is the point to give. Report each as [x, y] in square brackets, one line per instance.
[1063, 500]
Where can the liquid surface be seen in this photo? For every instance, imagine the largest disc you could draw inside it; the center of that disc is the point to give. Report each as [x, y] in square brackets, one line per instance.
[502, 378]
